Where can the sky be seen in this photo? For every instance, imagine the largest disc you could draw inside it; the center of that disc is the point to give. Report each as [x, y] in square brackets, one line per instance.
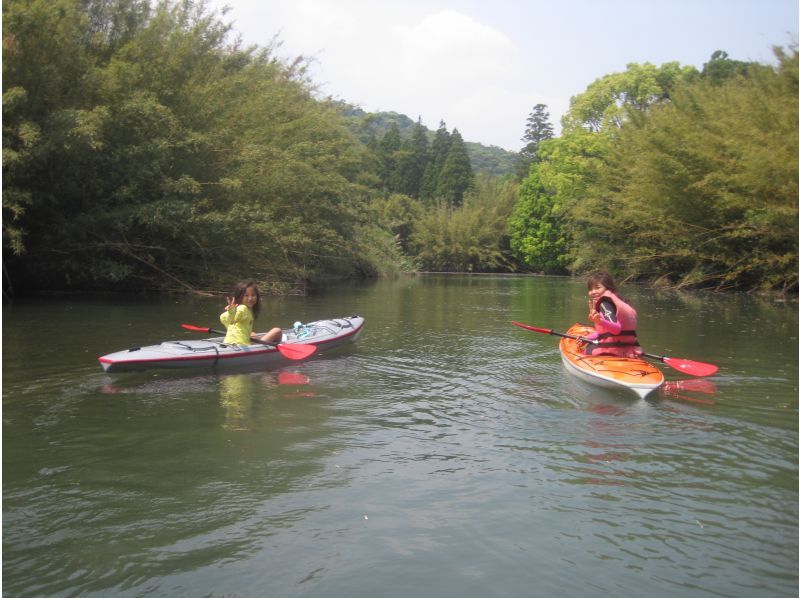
[480, 66]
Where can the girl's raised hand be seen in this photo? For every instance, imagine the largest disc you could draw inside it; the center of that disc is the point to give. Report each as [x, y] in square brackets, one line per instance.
[231, 303]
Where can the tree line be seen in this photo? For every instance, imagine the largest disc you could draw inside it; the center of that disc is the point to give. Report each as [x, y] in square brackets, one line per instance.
[672, 175]
[144, 147]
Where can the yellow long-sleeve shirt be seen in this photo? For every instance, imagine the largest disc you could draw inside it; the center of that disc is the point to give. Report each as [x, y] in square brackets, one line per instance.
[239, 323]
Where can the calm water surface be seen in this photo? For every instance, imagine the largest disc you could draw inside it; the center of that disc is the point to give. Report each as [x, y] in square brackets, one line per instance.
[447, 453]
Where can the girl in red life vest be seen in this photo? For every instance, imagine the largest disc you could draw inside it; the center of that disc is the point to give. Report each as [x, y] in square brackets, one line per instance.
[614, 319]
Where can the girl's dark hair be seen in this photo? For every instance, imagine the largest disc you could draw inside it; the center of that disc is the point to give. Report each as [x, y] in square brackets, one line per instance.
[238, 295]
[605, 279]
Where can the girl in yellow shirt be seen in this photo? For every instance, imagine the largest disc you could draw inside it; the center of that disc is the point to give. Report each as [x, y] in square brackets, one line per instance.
[241, 312]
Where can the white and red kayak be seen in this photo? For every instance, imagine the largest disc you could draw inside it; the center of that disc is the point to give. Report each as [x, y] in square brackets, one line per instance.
[213, 353]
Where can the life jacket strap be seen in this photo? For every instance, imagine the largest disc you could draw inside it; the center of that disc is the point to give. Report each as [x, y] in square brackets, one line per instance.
[621, 333]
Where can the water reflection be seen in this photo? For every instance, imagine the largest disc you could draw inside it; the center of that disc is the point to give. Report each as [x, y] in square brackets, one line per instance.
[158, 385]
[240, 394]
[697, 387]
[469, 448]
[159, 475]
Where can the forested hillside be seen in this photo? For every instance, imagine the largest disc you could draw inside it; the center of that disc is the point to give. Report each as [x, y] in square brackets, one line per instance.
[368, 126]
[143, 148]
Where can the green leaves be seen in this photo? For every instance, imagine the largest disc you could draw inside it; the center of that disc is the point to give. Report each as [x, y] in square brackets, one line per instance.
[471, 237]
[703, 190]
[157, 153]
[455, 178]
[537, 237]
[665, 174]
[608, 102]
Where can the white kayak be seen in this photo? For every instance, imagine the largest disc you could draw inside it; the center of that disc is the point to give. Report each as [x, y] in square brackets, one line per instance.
[215, 354]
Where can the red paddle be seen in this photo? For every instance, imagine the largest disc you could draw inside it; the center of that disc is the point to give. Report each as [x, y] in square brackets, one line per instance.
[693, 368]
[288, 351]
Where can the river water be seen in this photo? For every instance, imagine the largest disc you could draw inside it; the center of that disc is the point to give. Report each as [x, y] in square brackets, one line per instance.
[446, 453]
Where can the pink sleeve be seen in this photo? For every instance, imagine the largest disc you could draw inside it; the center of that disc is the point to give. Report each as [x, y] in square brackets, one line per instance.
[612, 327]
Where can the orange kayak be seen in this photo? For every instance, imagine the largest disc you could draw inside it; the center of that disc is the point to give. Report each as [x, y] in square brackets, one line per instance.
[608, 371]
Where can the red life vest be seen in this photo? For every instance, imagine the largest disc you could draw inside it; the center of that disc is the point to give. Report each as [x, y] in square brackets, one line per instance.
[624, 344]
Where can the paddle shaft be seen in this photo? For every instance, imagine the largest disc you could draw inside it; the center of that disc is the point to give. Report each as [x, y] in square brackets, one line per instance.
[554, 333]
[255, 339]
[299, 351]
[595, 342]
[223, 333]
[693, 368]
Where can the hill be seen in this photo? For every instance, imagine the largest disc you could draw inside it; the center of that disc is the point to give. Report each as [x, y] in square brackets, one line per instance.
[371, 126]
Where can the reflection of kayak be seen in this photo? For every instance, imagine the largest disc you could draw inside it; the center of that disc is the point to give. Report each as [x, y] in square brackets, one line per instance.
[213, 353]
[608, 370]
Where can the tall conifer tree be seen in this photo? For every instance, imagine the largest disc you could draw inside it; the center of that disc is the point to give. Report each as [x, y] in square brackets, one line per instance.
[456, 174]
[438, 154]
[388, 149]
[411, 162]
[537, 129]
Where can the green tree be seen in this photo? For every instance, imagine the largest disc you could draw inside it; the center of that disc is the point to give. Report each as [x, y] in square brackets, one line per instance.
[414, 166]
[541, 227]
[389, 149]
[471, 237]
[537, 129]
[544, 225]
[610, 99]
[703, 191]
[440, 148]
[721, 68]
[141, 149]
[398, 214]
[456, 175]
[538, 239]
[409, 162]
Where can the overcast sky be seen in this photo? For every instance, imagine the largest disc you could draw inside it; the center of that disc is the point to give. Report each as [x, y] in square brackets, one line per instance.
[482, 65]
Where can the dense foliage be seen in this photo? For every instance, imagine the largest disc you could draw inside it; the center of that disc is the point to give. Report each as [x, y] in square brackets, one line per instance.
[141, 149]
[442, 215]
[669, 174]
[468, 237]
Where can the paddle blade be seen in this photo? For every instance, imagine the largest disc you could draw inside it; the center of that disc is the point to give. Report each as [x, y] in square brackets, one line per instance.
[693, 368]
[526, 327]
[296, 351]
[195, 328]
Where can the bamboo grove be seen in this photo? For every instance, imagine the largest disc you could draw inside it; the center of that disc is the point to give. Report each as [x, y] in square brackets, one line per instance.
[672, 175]
[145, 148]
